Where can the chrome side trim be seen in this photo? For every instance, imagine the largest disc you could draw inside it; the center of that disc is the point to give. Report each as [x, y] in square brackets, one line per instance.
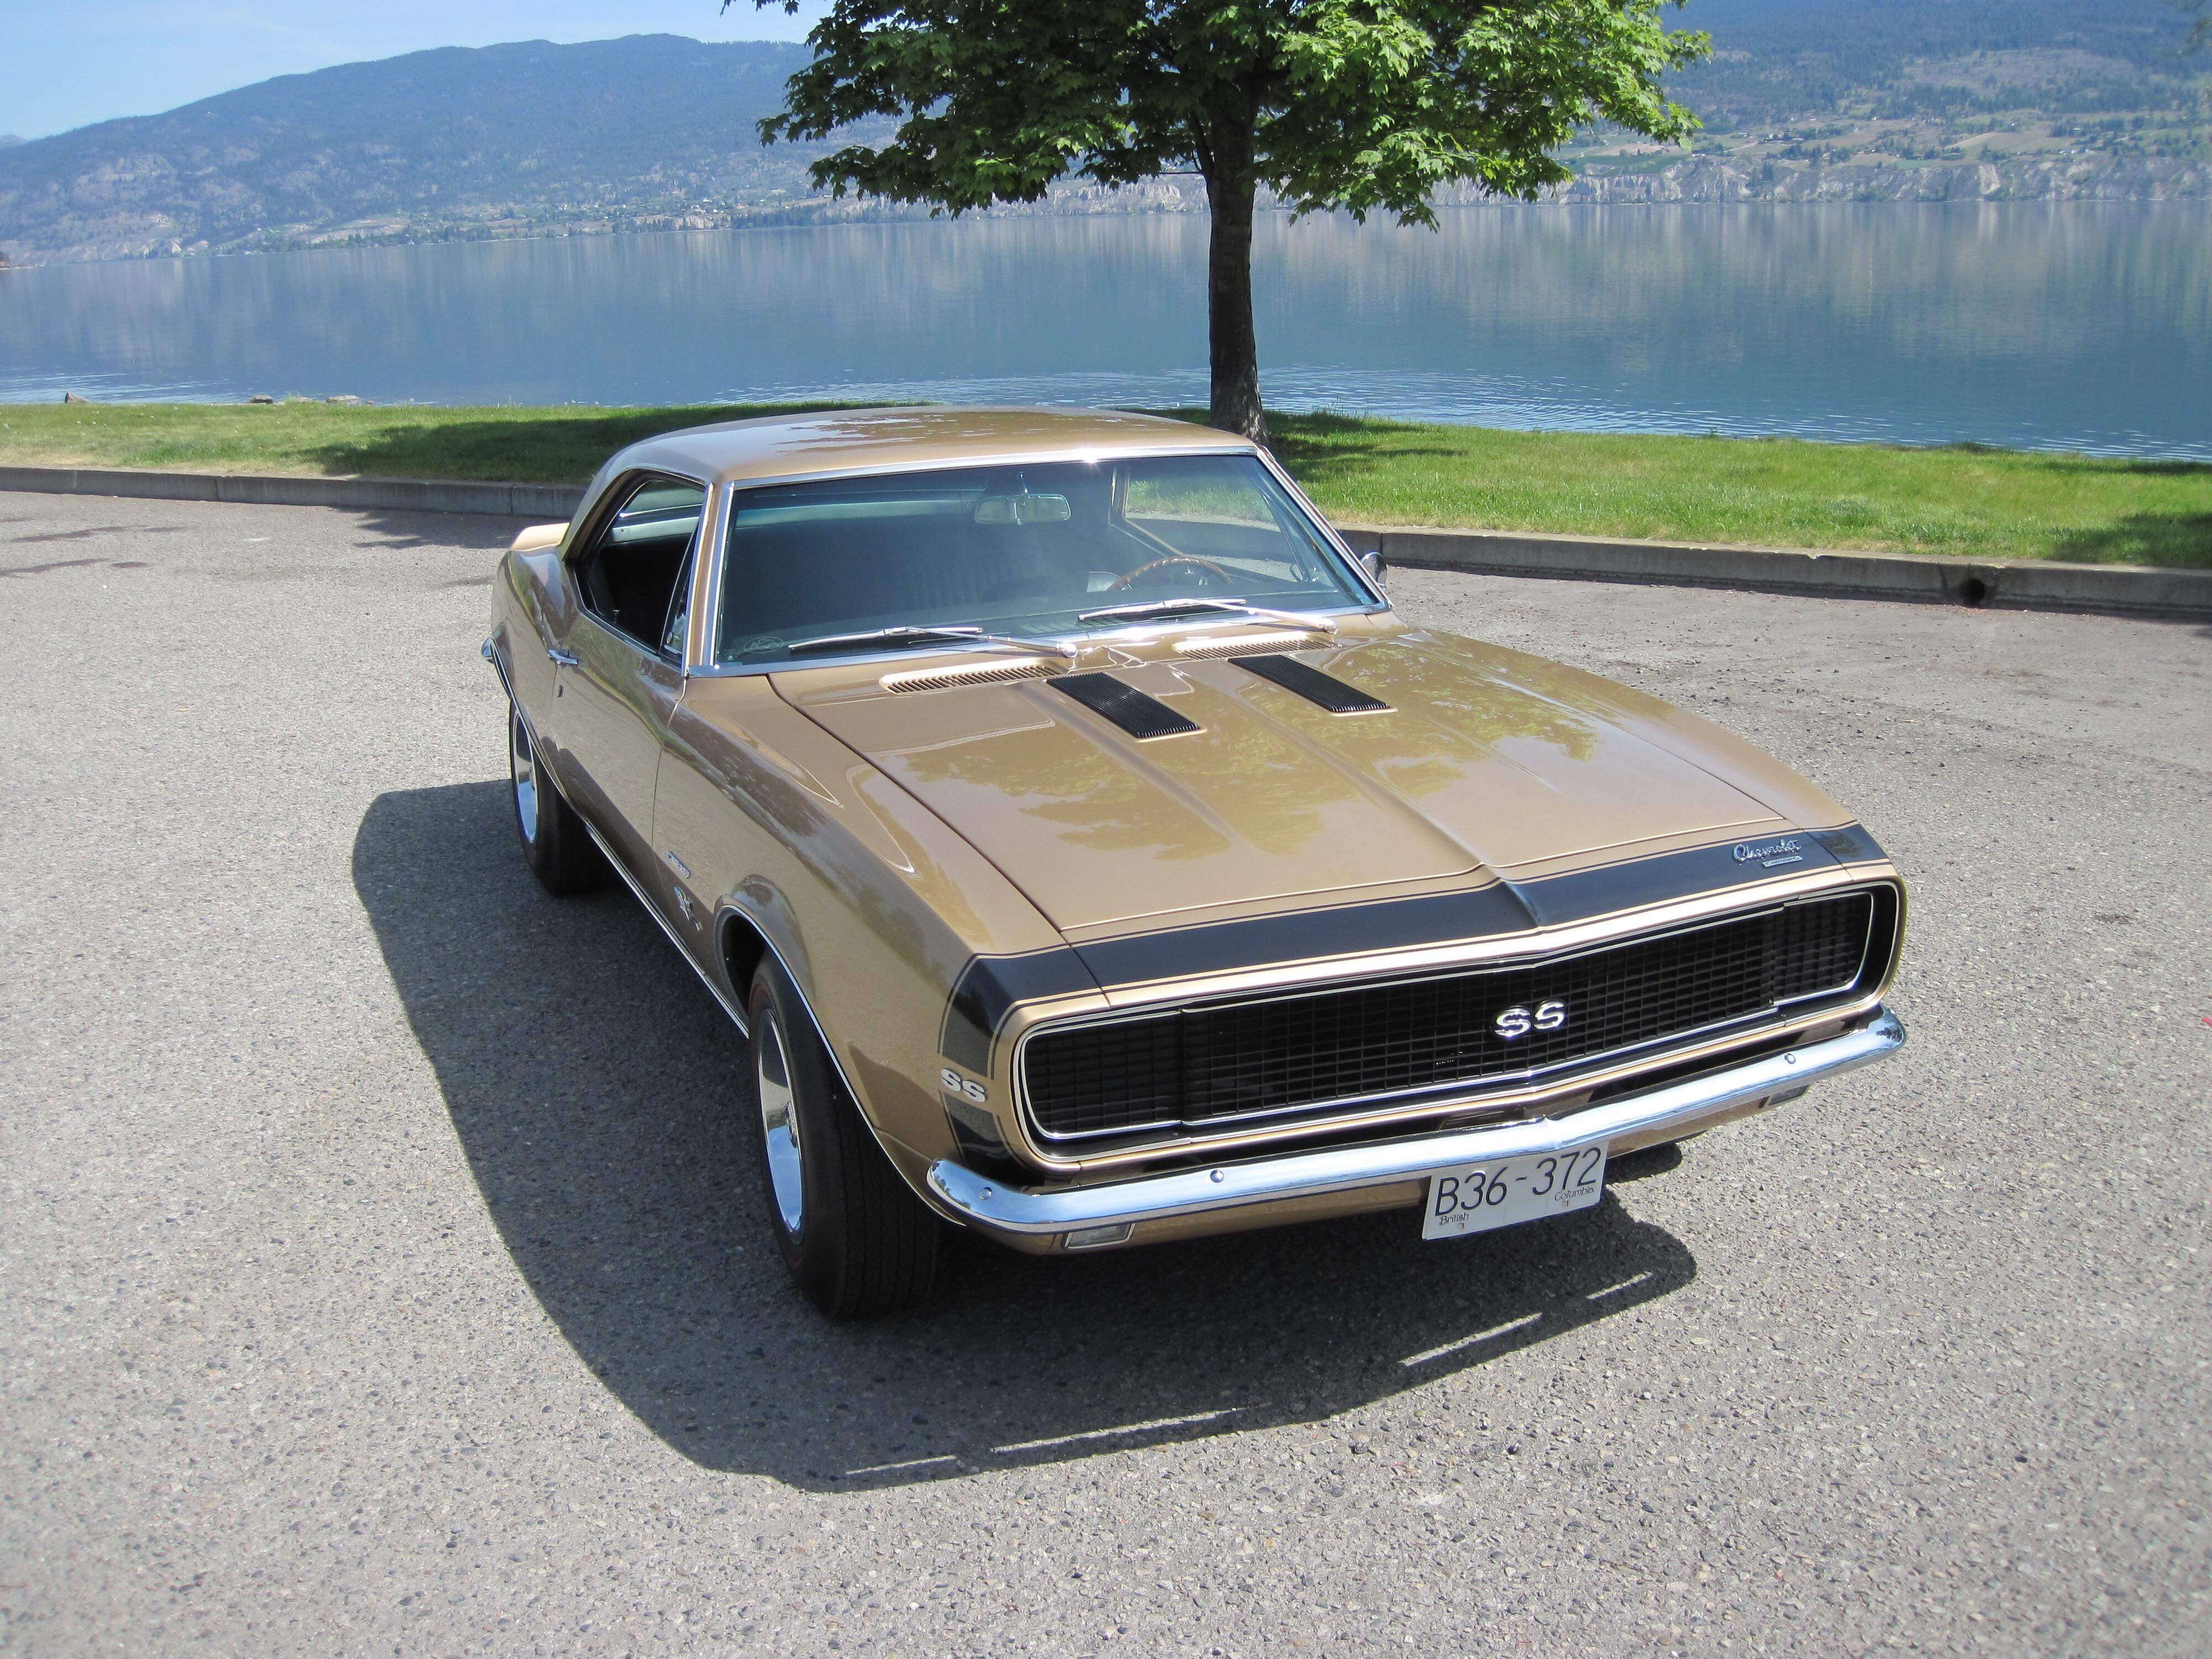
[1666, 1113]
[706, 579]
[737, 1016]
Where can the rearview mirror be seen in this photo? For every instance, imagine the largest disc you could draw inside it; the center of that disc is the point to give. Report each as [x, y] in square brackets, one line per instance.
[1023, 508]
[1376, 569]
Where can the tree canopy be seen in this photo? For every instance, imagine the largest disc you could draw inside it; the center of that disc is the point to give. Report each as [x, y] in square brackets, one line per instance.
[1366, 105]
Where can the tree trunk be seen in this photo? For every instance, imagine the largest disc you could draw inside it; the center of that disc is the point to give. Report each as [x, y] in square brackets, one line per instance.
[1233, 347]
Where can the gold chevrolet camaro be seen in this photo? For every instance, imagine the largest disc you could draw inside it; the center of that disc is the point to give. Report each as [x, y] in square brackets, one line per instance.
[1093, 857]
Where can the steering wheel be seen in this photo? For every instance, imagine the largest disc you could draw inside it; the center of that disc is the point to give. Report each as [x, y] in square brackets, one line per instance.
[1130, 577]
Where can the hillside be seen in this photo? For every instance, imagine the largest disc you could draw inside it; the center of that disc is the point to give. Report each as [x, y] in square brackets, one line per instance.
[647, 131]
[1811, 100]
[1871, 100]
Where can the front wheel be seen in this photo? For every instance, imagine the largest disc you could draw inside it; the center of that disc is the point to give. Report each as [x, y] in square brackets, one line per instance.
[555, 842]
[854, 1236]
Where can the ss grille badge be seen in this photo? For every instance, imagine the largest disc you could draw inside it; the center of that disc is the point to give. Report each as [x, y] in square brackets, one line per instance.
[1517, 1022]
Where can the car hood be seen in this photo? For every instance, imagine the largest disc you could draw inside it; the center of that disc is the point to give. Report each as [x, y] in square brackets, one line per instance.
[1485, 761]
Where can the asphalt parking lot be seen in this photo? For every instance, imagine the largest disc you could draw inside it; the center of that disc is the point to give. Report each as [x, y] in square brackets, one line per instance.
[380, 1268]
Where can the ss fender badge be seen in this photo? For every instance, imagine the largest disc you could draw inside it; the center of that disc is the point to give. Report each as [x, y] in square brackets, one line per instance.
[955, 1084]
[1788, 850]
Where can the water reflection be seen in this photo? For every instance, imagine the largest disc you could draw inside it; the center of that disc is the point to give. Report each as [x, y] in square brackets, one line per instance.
[2037, 325]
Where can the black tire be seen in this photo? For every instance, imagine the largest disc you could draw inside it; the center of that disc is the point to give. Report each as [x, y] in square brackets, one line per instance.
[555, 842]
[854, 1235]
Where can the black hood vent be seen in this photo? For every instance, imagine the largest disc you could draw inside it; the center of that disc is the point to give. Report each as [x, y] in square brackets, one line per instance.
[1140, 715]
[1315, 687]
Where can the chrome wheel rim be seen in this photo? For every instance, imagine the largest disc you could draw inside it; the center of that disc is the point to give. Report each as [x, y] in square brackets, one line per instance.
[524, 761]
[779, 1124]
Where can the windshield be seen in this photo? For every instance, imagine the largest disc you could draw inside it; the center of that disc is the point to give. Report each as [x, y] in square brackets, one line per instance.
[1020, 551]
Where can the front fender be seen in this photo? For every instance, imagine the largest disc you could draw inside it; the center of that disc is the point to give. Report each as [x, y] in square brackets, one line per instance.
[874, 905]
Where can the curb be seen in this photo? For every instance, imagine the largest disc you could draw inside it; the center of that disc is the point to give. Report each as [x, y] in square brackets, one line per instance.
[2021, 584]
[2007, 584]
[509, 501]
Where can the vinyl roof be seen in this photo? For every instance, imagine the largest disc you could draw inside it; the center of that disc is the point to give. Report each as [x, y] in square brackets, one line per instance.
[868, 440]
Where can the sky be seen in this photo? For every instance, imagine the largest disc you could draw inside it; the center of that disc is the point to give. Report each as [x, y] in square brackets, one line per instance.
[66, 63]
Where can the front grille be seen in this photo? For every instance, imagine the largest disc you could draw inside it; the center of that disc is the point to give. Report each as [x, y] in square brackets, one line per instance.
[1207, 1065]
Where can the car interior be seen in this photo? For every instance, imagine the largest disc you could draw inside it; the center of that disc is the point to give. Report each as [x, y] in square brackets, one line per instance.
[630, 575]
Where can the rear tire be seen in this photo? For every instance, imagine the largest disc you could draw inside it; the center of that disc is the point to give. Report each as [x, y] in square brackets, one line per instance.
[854, 1235]
[555, 842]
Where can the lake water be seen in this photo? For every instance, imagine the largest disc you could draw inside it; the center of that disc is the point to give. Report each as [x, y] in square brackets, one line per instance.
[2073, 326]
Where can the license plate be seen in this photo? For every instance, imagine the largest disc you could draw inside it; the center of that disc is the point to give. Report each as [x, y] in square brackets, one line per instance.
[1476, 1197]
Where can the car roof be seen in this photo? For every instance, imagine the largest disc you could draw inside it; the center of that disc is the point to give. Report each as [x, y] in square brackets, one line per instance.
[870, 440]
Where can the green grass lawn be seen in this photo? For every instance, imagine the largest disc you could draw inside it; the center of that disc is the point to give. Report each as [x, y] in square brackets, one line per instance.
[561, 444]
[1958, 502]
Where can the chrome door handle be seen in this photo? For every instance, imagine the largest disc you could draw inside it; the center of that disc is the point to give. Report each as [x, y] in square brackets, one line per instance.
[566, 658]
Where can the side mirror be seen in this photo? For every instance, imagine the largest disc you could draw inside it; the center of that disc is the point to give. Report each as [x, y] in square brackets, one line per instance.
[1376, 570]
[538, 537]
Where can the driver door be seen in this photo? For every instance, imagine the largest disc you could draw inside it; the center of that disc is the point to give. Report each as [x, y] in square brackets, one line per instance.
[620, 668]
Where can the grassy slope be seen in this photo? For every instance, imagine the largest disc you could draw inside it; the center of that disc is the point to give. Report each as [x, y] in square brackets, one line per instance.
[1957, 502]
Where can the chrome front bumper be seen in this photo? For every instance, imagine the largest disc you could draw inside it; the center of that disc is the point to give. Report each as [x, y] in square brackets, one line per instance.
[1659, 1114]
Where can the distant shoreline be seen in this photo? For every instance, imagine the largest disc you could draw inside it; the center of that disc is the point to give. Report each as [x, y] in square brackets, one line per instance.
[1983, 101]
[836, 213]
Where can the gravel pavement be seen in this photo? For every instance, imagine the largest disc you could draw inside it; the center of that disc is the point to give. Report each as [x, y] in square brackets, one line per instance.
[381, 1270]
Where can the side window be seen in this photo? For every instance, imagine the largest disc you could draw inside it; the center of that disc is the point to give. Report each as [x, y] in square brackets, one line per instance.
[634, 573]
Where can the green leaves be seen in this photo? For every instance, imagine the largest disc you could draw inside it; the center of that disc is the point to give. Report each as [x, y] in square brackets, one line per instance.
[1365, 104]
[1362, 105]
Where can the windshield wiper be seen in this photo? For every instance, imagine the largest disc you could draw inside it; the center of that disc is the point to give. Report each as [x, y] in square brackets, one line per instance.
[1194, 606]
[890, 639]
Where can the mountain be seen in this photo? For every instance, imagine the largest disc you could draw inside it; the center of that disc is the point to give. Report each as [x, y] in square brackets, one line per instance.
[1868, 99]
[649, 131]
[1814, 100]
[1776, 58]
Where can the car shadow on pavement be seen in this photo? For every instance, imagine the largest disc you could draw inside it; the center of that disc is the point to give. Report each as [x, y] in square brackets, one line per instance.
[591, 1082]
[488, 534]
